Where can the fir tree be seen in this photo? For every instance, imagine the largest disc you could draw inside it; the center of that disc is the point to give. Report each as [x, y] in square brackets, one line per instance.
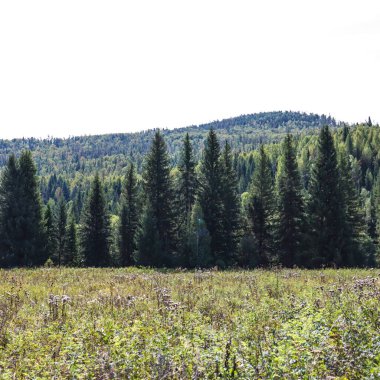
[159, 191]
[70, 251]
[354, 226]
[187, 179]
[231, 207]
[325, 208]
[8, 212]
[61, 229]
[95, 228]
[261, 210]
[129, 221]
[186, 190]
[290, 207]
[50, 232]
[210, 196]
[29, 242]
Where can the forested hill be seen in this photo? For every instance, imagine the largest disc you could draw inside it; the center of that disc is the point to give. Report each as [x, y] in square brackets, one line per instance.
[112, 152]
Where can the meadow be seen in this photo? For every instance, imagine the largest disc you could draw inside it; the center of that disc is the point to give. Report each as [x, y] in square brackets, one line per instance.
[147, 324]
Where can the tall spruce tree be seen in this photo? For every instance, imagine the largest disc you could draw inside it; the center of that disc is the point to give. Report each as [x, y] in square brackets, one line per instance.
[129, 219]
[262, 210]
[325, 208]
[231, 206]
[159, 191]
[186, 190]
[354, 226]
[210, 196]
[8, 212]
[187, 179]
[95, 228]
[29, 242]
[61, 217]
[290, 224]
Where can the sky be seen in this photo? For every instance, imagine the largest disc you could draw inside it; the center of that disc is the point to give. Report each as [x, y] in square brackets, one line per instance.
[90, 67]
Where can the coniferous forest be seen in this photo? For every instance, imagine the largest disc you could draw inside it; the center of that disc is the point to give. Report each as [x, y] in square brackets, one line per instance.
[262, 190]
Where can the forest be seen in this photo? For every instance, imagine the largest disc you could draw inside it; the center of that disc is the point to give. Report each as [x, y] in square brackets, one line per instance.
[261, 190]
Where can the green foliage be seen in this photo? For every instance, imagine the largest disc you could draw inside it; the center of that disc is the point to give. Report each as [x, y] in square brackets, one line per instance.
[210, 196]
[291, 218]
[22, 230]
[261, 210]
[159, 192]
[129, 219]
[326, 209]
[94, 229]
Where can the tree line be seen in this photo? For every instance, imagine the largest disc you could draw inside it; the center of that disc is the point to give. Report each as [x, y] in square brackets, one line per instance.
[194, 215]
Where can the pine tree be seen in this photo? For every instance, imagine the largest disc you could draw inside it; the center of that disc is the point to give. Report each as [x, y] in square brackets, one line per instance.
[61, 229]
[262, 209]
[290, 208]
[159, 191]
[129, 221]
[325, 208]
[210, 196]
[50, 232]
[231, 207]
[70, 247]
[95, 228]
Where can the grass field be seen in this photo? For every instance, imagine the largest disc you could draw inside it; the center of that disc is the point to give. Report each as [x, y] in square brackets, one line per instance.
[143, 324]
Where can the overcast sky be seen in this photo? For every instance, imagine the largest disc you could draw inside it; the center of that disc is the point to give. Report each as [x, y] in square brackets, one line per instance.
[89, 67]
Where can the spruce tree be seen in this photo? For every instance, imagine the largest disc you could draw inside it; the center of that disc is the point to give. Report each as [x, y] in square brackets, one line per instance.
[187, 179]
[210, 196]
[186, 190]
[159, 191]
[70, 247]
[61, 217]
[30, 240]
[354, 226]
[262, 209]
[290, 208]
[129, 221]
[50, 232]
[8, 212]
[325, 208]
[231, 206]
[95, 229]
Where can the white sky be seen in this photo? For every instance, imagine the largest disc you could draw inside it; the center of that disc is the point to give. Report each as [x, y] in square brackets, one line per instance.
[87, 67]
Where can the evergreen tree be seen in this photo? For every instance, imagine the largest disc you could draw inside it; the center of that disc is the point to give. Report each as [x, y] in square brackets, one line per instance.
[50, 232]
[8, 212]
[159, 191]
[186, 190]
[128, 219]
[210, 196]
[70, 247]
[95, 231]
[231, 207]
[29, 240]
[325, 208]
[290, 208]
[61, 229]
[354, 227]
[261, 210]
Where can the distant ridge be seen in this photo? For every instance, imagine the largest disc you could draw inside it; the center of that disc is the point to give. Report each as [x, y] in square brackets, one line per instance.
[244, 132]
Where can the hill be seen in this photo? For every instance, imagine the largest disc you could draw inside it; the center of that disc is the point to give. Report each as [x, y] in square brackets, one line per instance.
[111, 152]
